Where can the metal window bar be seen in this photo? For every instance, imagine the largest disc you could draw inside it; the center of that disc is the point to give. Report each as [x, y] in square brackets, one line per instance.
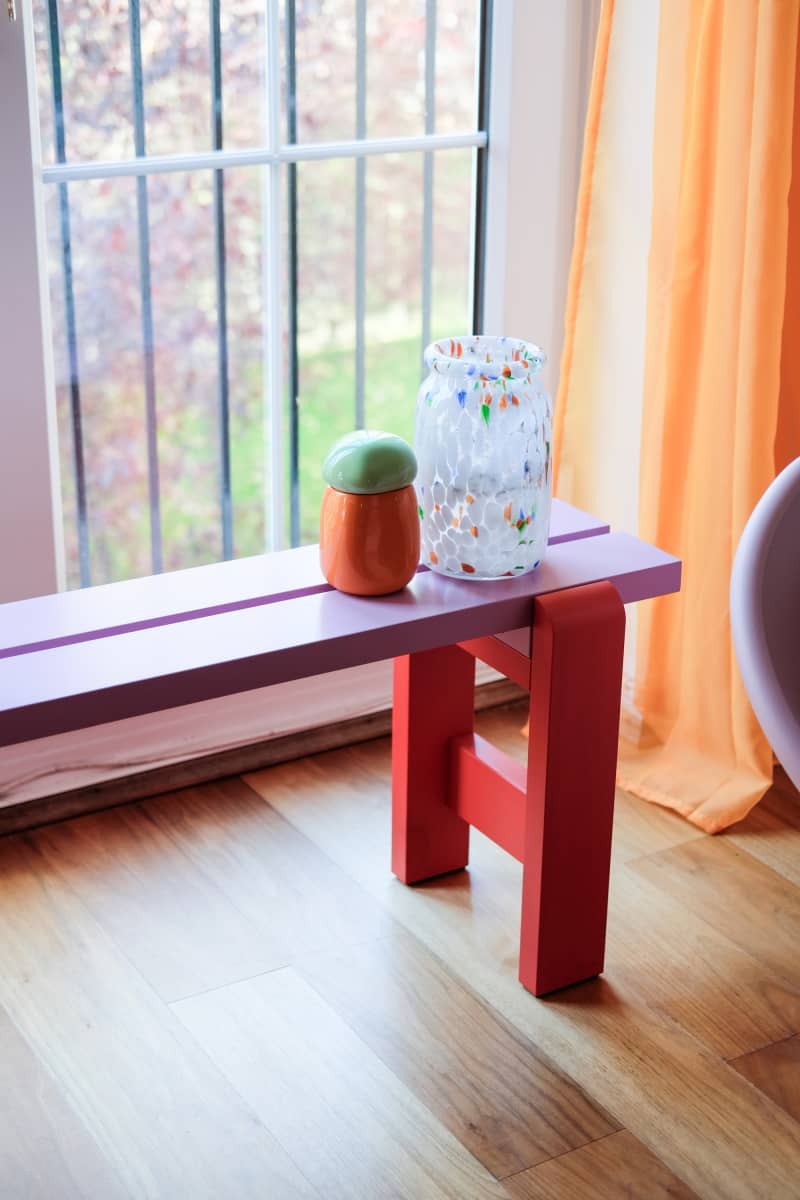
[427, 177]
[272, 279]
[223, 376]
[293, 366]
[145, 289]
[76, 420]
[361, 208]
[481, 191]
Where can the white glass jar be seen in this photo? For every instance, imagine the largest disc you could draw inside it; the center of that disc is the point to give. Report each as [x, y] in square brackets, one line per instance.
[483, 441]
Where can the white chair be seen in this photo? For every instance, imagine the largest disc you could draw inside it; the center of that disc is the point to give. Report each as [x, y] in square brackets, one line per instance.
[765, 615]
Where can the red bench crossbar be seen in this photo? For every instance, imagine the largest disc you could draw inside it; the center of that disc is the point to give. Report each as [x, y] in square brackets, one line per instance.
[83, 658]
[488, 790]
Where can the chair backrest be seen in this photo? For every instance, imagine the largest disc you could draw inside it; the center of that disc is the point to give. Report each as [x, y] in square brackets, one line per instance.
[765, 615]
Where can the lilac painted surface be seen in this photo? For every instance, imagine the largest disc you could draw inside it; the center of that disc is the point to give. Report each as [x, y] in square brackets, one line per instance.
[182, 595]
[72, 686]
[569, 524]
[155, 599]
[765, 615]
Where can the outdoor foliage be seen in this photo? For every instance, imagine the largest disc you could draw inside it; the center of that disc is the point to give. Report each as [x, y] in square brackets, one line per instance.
[98, 122]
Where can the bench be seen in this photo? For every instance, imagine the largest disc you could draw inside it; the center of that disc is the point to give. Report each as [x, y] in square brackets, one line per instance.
[78, 659]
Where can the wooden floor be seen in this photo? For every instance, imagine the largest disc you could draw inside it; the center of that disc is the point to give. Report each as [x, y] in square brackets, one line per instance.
[223, 993]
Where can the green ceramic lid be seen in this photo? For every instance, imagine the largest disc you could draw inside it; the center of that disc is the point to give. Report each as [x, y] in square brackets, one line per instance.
[368, 461]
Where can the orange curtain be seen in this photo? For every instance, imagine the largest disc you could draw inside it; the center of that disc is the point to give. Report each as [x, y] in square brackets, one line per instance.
[720, 409]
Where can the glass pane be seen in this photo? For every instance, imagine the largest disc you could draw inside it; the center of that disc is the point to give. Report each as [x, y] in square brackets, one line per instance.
[108, 307]
[176, 41]
[94, 59]
[453, 182]
[394, 276]
[326, 327]
[109, 354]
[187, 380]
[394, 292]
[325, 57]
[97, 77]
[396, 69]
[457, 33]
[326, 36]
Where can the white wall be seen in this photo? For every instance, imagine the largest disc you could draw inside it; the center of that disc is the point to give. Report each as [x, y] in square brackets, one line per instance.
[31, 553]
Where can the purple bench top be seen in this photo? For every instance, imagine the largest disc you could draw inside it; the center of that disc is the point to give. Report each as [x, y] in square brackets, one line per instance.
[219, 587]
[214, 641]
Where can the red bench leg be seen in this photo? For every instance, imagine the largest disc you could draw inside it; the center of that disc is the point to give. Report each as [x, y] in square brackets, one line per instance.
[434, 700]
[576, 679]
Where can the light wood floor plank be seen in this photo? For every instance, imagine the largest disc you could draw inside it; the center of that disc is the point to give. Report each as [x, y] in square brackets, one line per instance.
[45, 1150]
[669, 957]
[502, 1100]
[746, 901]
[358, 1131]
[771, 831]
[776, 1071]
[617, 1168]
[295, 897]
[162, 1115]
[682, 1102]
[172, 923]
[206, 886]
[654, 1077]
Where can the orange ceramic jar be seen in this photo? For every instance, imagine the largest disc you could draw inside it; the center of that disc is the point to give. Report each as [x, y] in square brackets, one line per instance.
[369, 544]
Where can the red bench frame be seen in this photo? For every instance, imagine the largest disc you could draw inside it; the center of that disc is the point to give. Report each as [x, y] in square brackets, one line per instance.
[83, 658]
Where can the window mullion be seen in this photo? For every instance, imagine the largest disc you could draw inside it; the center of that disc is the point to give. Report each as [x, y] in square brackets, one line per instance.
[427, 178]
[145, 289]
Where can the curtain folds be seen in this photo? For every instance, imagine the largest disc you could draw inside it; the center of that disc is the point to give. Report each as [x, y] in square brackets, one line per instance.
[716, 332]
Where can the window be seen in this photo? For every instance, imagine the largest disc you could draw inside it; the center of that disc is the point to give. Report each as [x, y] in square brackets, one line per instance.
[291, 188]
[256, 216]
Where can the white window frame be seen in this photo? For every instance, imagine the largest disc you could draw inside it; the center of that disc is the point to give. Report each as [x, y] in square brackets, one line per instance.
[540, 74]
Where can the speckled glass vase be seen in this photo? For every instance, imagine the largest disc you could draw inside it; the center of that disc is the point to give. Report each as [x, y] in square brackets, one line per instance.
[483, 442]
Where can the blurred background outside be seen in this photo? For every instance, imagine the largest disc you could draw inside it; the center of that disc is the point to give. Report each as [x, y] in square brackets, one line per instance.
[97, 86]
